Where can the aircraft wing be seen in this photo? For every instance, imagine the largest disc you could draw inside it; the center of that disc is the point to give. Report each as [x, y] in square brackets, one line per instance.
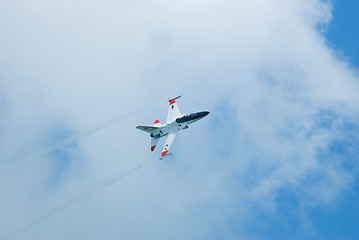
[148, 129]
[169, 140]
[173, 111]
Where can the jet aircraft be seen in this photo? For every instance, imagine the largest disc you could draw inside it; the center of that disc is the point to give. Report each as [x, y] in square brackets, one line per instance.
[175, 122]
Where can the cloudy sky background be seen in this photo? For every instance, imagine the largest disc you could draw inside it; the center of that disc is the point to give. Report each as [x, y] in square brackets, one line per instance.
[277, 158]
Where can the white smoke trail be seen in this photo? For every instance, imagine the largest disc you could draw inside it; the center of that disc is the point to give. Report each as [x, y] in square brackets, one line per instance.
[69, 203]
[74, 138]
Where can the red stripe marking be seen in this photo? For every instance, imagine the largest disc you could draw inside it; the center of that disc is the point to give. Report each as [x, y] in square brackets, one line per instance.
[157, 121]
[164, 153]
[172, 102]
[153, 148]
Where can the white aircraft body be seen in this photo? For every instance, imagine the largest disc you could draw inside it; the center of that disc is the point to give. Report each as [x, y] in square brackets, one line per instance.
[175, 122]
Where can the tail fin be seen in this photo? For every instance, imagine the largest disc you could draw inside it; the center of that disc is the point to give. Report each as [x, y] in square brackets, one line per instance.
[157, 124]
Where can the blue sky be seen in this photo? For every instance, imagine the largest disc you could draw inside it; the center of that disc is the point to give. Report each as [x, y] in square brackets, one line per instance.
[342, 31]
[338, 222]
[275, 159]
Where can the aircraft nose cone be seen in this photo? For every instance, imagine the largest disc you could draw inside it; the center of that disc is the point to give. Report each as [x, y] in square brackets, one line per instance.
[203, 114]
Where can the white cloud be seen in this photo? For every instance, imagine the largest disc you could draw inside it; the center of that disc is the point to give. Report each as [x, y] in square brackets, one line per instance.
[261, 67]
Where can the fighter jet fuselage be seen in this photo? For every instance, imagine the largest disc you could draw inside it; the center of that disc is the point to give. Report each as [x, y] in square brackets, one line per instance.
[175, 122]
[180, 123]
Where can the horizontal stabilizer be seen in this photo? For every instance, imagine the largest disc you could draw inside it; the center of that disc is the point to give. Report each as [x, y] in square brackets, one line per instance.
[148, 129]
[154, 142]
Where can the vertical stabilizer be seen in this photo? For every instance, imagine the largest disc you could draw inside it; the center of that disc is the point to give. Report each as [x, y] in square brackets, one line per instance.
[157, 124]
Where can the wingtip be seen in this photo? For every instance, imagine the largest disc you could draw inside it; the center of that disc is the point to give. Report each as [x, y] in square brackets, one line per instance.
[165, 155]
[174, 98]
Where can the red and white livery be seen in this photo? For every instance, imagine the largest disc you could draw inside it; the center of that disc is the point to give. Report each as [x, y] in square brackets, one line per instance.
[175, 122]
